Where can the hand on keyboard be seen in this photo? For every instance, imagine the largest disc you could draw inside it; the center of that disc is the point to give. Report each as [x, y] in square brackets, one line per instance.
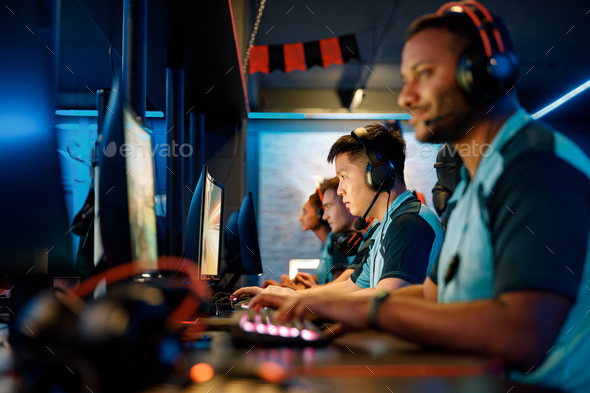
[280, 291]
[262, 326]
[351, 311]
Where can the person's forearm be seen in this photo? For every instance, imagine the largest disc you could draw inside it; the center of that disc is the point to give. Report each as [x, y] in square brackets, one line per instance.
[408, 291]
[363, 292]
[336, 288]
[415, 290]
[342, 277]
[489, 327]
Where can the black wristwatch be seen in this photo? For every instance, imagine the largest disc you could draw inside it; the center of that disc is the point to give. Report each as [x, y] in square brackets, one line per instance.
[374, 304]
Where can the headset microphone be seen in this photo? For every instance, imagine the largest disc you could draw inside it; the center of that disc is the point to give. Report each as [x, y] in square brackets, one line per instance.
[360, 222]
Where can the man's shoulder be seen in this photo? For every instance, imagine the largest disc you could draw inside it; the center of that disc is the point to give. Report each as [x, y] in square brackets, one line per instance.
[540, 155]
[539, 143]
[409, 225]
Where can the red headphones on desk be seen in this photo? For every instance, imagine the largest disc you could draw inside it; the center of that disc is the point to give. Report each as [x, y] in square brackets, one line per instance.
[127, 340]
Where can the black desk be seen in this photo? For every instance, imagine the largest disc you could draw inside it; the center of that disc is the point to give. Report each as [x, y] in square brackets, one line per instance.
[360, 362]
[359, 355]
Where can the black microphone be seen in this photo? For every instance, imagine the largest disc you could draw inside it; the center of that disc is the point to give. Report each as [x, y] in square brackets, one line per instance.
[360, 222]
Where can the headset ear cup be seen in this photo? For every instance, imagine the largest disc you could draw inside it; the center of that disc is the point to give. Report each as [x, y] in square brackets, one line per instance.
[470, 74]
[482, 81]
[369, 179]
[383, 173]
[44, 337]
[129, 322]
[505, 71]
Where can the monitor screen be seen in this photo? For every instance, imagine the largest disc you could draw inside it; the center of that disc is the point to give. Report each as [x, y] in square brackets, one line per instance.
[141, 193]
[125, 192]
[203, 226]
[211, 224]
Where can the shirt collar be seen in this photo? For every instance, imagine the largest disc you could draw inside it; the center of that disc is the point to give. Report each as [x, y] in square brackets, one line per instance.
[401, 198]
[510, 127]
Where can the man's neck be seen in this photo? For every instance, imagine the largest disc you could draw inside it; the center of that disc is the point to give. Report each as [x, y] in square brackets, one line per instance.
[322, 233]
[482, 131]
[382, 204]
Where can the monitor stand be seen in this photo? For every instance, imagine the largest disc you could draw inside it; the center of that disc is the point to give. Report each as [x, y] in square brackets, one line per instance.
[235, 267]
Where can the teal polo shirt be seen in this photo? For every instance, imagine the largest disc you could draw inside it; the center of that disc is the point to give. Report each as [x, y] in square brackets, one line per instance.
[404, 246]
[331, 258]
[522, 223]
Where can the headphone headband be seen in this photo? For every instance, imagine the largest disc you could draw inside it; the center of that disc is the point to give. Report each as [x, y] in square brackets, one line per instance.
[478, 23]
[362, 136]
[320, 195]
[483, 77]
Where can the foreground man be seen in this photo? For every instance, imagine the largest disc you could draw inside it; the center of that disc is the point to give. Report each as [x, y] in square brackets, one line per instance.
[511, 280]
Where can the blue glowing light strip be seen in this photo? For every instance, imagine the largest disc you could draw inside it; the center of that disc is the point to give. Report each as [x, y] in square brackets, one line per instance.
[87, 112]
[563, 99]
[328, 116]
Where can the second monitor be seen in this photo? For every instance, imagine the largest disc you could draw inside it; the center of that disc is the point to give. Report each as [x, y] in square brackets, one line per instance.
[203, 227]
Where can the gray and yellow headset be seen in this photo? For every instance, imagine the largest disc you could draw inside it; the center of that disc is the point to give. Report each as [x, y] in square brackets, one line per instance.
[483, 77]
[380, 172]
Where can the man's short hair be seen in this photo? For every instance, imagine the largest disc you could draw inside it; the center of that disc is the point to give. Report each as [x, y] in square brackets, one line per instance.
[330, 184]
[387, 140]
[460, 25]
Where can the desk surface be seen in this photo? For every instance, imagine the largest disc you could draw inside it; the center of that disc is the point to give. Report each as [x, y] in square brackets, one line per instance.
[364, 354]
[366, 361]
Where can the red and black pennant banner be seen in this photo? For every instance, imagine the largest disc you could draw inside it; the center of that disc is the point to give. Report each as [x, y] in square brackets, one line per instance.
[303, 55]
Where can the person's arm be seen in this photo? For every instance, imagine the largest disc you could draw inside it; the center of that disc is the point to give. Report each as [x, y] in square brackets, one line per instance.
[343, 277]
[518, 327]
[249, 290]
[336, 288]
[387, 284]
[269, 282]
[337, 273]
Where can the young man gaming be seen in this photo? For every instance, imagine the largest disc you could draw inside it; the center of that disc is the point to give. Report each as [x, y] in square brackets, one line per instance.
[511, 281]
[410, 236]
[311, 219]
[332, 261]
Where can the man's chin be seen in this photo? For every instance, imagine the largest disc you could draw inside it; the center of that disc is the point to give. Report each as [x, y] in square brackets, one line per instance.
[424, 134]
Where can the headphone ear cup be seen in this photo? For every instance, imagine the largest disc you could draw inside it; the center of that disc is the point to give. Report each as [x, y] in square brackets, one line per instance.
[381, 173]
[369, 179]
[44, 337]
[469, 74]
[484, 80]
[320, 215]
[129, 322]
[344, 244]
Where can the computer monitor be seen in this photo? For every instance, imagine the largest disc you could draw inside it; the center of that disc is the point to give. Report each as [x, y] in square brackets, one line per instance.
[203, 227]
[242, 252]
[126, 189]
[34, 227]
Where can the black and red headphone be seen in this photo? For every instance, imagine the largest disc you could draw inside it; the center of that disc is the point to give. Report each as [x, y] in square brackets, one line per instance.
[129, 339]
[348, 242]
[483, 77]
[320, 210]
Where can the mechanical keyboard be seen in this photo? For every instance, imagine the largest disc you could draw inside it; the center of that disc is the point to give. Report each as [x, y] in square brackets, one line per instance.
[261, 327]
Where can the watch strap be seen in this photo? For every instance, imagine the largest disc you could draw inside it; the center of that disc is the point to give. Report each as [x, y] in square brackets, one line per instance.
[374, 304]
